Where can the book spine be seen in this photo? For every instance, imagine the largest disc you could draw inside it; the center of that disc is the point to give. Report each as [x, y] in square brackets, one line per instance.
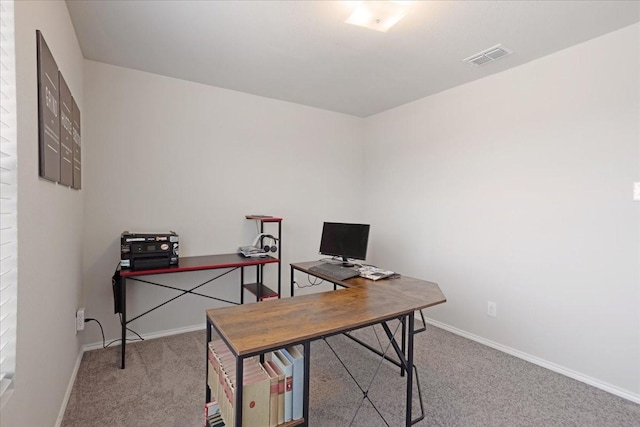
[297, 360]
[286, 367]
[273, 394]
[280, 375]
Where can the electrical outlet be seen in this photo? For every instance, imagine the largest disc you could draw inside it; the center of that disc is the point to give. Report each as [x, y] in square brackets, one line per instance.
[491, 309]
[80, 319]
[636, 191]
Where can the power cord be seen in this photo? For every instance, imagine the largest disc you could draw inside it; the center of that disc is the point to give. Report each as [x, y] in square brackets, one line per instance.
[131, 330]
[89, 319]
[317, 281]
[104, 344]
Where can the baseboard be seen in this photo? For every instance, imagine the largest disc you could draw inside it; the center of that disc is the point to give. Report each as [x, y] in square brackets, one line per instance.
[625, 394]
[72, 381]
[168, 332]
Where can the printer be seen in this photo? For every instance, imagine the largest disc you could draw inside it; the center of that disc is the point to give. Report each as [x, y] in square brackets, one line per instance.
[147, 251]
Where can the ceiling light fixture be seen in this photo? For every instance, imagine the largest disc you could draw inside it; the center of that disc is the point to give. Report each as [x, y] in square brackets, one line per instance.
[378, 15]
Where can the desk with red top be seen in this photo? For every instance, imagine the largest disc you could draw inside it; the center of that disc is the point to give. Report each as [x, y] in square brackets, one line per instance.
[231, 262]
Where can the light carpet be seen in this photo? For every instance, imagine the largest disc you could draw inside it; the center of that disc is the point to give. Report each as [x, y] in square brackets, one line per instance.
[463, 383]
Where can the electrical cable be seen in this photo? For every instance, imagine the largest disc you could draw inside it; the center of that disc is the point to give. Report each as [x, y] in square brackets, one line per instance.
[119, 339]
[104, 344]
[316, 281]
[89, 319]
[130, 330]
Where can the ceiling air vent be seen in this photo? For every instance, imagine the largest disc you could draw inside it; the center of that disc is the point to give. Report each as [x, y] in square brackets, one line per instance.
[489, 55]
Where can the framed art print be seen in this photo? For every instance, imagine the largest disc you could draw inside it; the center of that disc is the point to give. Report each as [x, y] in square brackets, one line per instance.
[48, 112]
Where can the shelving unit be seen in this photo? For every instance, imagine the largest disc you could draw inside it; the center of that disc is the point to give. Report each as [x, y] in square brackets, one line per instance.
[221, 369]
[261, 291]
[259, 288]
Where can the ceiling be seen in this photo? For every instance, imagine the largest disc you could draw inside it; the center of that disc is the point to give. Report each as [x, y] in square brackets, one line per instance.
[303, 52]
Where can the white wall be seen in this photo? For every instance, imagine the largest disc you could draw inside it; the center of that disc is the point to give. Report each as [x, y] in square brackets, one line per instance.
[514, 189]
[50, 232]
[165, 154]
[517, 189]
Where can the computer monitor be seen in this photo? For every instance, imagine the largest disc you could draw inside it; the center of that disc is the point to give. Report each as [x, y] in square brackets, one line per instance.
[345, 240]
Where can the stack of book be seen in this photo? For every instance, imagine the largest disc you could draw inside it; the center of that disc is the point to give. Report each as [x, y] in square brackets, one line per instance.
[212, 415]
[273, 391]
[289, 362]
[255, 387]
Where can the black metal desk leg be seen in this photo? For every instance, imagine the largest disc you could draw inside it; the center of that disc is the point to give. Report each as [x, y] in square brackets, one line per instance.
[280, 258]
[410, 318]
[238, 402]
[241, 285]
[403, 343]
[260, 282]
[293, 282]
[123, 295]
[307, 373]
[207, 390]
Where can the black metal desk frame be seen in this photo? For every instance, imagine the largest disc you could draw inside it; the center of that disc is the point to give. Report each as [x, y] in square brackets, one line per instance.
[404, 360]
[231, 262]
[404, 351]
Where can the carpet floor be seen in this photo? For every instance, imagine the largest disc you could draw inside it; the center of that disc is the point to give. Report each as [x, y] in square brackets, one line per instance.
[463, 383]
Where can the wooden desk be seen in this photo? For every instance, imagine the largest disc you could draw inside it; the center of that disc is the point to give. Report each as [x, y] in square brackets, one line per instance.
[254, 329]
[208, 262]
[420, 291]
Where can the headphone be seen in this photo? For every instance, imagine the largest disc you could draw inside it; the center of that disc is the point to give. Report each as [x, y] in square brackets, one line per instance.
[266, 248]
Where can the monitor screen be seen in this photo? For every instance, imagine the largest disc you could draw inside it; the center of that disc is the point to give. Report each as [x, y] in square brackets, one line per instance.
[344, 240]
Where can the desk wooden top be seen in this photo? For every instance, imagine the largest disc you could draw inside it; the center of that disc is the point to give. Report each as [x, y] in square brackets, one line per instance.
[205, 262]
[255, 328]
[403, 284]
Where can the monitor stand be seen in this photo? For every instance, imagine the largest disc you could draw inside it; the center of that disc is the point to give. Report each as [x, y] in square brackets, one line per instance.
[345, 262]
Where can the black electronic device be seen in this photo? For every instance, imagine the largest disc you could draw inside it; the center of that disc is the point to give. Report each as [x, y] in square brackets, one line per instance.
[345, 240]
[147, 251]
[116, 285]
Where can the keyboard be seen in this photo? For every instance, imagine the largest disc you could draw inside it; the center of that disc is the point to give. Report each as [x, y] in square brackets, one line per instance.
[335, 271]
